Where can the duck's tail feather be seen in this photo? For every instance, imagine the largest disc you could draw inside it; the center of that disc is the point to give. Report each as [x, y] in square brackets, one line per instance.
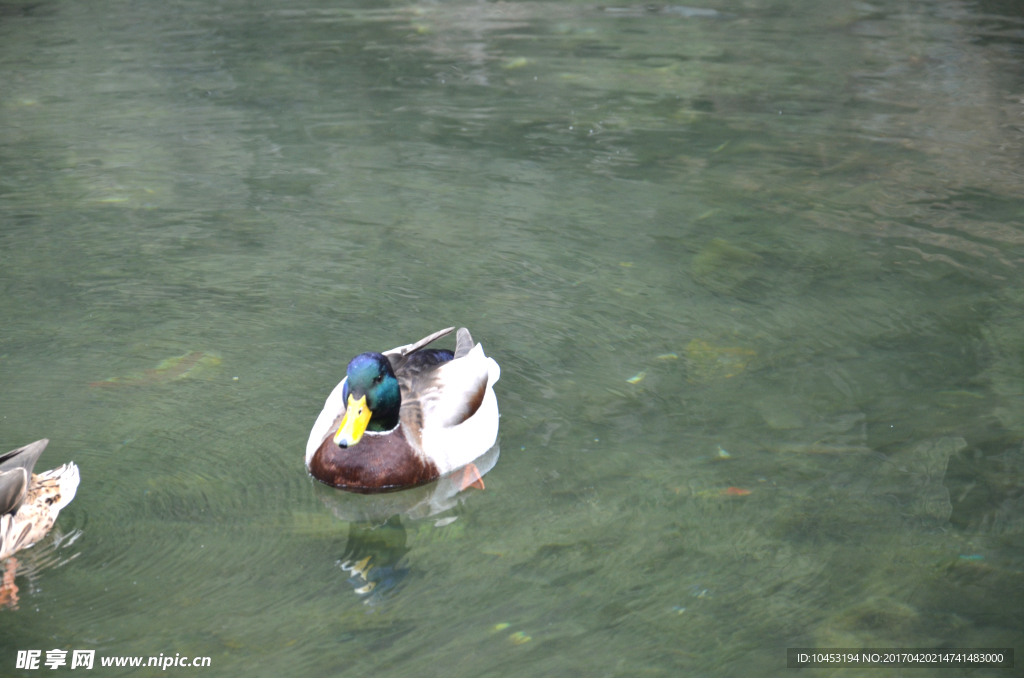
[67, 478]
[463, 343]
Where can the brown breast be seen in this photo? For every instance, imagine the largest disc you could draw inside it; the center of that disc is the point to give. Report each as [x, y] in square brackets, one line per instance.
[377, 463]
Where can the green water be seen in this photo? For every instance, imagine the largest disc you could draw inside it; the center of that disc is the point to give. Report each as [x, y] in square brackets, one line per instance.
[792, 231]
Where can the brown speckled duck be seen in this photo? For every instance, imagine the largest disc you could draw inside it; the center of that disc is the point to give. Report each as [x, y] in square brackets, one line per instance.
[29, 503]
[405, 417]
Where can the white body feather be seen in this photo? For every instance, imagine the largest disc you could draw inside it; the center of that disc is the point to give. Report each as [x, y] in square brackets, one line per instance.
[334, 406]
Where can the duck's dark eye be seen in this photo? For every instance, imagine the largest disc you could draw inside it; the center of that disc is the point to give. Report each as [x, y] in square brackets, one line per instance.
[378, 378]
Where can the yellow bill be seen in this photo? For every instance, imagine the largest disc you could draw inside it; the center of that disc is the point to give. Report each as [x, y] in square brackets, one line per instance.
[353, 424]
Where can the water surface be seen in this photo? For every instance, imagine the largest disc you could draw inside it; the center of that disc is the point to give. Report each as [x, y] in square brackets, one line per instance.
[752, 274]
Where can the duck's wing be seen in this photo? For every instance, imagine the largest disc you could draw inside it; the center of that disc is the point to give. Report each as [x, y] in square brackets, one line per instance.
[454, 412]
[446, 394]
[398, 356]
[15, 471]
[13, 488]
[23, 457]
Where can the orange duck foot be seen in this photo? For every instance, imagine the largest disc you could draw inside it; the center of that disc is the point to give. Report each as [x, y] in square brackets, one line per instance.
[471, 478]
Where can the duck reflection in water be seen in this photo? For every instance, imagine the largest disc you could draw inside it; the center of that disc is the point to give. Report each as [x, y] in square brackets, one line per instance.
[374, 556]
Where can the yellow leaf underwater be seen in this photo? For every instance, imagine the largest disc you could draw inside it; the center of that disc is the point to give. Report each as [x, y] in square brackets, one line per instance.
[172, 369]
[637, 378]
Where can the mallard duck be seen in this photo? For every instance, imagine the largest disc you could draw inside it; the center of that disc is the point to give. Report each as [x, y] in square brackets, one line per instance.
[29, 503]
[406, 416]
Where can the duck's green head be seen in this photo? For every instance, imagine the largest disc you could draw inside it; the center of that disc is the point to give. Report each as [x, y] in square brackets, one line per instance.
[372, 398]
